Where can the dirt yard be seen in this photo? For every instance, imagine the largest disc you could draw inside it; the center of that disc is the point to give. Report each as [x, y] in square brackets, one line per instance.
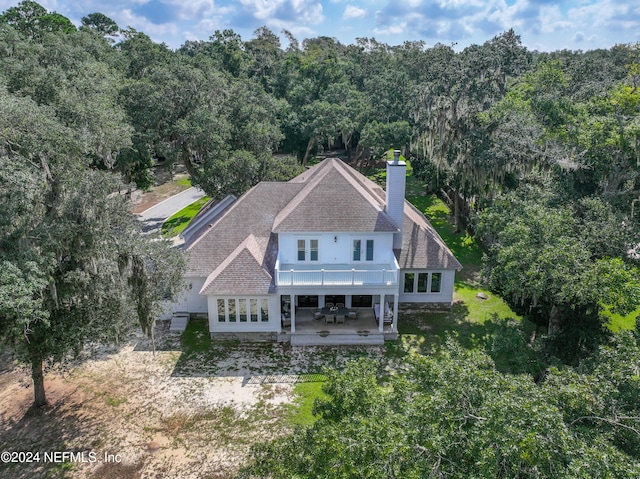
[144, 200]
[127, 413]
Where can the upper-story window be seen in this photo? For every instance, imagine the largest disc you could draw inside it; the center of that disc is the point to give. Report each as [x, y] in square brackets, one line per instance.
[362, 250]
[307, 250]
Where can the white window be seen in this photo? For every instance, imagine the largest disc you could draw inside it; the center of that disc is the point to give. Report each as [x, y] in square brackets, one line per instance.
[422, 282]
[358, 247]
[307, 250]
[369, 251]
[243, 310]
[436, 282]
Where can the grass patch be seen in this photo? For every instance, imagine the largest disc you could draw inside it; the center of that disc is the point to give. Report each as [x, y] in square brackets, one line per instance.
[186, 181]
[174, 225]
[114, 401]
[305, 394]
[480, 310]
[196, 338]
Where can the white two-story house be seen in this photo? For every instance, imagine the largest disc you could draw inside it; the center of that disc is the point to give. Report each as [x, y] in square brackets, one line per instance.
[265, 265]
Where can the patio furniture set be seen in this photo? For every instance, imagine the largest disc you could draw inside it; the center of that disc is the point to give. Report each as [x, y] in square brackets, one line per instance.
[337, 313]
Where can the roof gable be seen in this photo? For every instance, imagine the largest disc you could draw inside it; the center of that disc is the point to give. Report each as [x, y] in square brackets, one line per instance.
[243, 271]
[251, 214]
[333, 199]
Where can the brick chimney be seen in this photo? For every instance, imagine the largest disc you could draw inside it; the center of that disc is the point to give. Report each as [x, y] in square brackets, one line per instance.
[396, 182]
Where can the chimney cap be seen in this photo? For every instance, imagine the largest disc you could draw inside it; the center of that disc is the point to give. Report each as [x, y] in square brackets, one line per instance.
[396, 156]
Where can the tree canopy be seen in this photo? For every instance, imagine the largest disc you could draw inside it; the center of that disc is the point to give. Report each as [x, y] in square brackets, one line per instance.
[453, 415]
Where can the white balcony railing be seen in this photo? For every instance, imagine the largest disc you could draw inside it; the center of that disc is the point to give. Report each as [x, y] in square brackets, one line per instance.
[335, 277]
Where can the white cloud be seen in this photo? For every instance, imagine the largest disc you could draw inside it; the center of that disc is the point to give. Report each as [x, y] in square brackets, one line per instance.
[552, 19]
[158, 33]
[511, 16]
[291, 13]
[581, 37]
[193, 9]
[352, 11]
[396, 29]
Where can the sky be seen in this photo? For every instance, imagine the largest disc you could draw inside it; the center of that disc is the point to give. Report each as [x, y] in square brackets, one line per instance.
[543, 25]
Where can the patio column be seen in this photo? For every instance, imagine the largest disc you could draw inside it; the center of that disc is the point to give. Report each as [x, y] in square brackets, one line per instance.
[395, 312]
[293, 313]
[381, 318]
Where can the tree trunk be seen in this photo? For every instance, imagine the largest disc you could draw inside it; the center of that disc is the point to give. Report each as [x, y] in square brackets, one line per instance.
[312, 141]
[456, 212]
[555, 320]
[38, 382]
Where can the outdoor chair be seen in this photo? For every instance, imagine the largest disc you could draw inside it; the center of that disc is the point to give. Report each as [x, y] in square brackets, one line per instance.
[340, 319]
[353, 314]
[340, 305]
[328, 318]
[328, 305]
[317, 314]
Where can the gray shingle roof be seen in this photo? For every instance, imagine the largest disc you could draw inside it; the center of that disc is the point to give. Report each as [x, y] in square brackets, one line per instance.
[253, 213]
[333, 200]
[422, 246]
[244, 266]
[237, 253]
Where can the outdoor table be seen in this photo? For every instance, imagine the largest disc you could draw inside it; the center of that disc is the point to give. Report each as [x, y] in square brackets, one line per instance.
[332, 312]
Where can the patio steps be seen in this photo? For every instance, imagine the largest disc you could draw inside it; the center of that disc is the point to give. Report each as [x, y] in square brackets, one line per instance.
[179, 322]
[336, 338]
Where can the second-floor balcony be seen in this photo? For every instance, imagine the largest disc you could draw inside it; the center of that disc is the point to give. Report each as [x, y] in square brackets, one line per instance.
[364, 274]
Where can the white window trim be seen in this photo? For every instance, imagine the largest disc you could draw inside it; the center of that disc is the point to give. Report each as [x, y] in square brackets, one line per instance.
[247, 302]
[363, 250]
[307, 249]
[415, 281]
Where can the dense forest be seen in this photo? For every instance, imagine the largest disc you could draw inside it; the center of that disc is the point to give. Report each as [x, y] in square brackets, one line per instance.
[538, 154]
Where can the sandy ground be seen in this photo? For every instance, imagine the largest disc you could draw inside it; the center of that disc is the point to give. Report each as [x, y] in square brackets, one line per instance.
[142, 201]
[155, 415]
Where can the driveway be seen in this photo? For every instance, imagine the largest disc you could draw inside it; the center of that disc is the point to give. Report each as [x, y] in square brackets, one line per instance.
[153, 218]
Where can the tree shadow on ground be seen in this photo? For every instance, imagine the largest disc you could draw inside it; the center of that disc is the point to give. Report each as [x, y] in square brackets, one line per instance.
[170, 225]
[65, 425]
[505, 340]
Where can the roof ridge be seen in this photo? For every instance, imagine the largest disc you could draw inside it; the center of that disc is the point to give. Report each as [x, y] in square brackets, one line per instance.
[229, 210]
[361, 186]
[250, 244]
[357, 181]
[300, 196]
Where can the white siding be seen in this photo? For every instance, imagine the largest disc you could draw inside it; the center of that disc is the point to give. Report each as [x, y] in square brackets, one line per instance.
[444, 296]
[191, 300]
[335, 248]
[166, 310]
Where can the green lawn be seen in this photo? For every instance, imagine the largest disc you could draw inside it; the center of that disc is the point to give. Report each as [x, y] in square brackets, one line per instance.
[305, 394]
[472, 320]
[186, 181]
[174, 225]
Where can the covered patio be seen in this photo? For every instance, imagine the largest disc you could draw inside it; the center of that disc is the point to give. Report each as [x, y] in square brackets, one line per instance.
[311, 330]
